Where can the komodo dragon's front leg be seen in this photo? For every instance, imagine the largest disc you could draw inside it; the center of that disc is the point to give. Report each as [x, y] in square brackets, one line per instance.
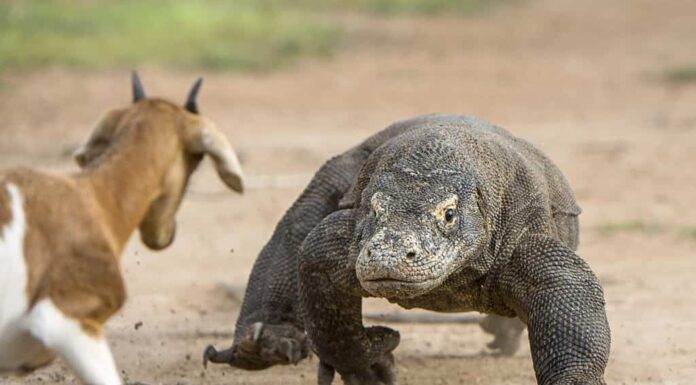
[269, 329]
[554, 291]
[332, 307]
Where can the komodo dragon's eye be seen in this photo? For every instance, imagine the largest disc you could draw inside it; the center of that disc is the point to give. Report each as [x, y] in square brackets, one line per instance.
[446, 212]
[449, 215]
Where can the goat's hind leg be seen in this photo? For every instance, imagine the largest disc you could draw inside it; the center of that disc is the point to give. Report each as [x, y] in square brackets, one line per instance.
[85, 351]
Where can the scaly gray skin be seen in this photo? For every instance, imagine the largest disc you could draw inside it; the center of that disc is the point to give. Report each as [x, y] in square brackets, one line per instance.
[453, 214]
[270, 329]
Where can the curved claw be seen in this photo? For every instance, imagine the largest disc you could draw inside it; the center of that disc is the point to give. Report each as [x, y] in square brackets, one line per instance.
[384, 369]
[217, 357]
[326, 374]
[380, 373]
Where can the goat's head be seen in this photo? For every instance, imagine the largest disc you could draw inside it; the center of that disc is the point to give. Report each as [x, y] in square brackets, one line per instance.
[176, 138]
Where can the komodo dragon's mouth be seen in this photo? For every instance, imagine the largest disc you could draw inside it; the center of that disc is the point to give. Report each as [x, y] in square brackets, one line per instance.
[388, 280]
[390, 287]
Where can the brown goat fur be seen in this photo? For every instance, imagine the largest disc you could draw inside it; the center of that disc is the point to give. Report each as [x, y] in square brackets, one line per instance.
[5, 213]
[134, 171]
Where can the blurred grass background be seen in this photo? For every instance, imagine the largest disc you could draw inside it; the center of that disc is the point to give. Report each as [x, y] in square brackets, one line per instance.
[208, 34]
[682, 74]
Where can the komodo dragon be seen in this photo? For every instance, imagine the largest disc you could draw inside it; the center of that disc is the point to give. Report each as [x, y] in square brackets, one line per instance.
[442, 212]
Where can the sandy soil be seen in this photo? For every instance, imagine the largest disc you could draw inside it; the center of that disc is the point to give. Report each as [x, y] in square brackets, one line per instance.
[577, 78]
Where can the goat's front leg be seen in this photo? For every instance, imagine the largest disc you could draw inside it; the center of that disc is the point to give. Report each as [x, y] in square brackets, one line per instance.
[559, 297]
[85, 351]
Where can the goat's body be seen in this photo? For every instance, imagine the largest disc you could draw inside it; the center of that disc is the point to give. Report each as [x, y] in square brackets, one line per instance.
[39, 317]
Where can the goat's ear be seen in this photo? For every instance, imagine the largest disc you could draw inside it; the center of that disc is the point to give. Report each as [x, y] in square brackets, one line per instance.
[138, 91]
[191, 103]
[99, 139]
[211, 141]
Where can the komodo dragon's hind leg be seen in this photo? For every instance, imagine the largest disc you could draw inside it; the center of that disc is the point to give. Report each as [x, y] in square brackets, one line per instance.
[507, 334]
[506, 331]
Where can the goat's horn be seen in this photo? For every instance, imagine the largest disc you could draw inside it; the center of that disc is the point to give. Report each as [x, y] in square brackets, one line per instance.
[191, 104]
[138, 91]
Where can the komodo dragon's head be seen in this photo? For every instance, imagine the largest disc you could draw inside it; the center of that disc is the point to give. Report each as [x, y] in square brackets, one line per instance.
[424, 220]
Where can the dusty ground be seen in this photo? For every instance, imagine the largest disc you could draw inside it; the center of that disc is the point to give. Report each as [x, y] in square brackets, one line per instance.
[577, 78]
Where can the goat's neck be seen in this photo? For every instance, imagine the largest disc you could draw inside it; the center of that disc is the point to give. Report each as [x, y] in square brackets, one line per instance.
[128, 181]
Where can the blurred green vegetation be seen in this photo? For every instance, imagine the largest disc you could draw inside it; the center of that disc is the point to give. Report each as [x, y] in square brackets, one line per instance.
[646, 228]
[689, 232]
[386, 7]
[209, 34]
[635, 226]
[681, 75]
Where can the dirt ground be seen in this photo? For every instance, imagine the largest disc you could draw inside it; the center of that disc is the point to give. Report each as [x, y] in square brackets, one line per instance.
[577, 78]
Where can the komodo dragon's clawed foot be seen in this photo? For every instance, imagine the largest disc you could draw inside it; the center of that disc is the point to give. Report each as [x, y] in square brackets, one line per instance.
[506, 332]
[262, 346]
[381, 372]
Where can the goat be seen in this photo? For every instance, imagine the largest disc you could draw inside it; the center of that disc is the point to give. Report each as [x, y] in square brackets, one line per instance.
[61, 236]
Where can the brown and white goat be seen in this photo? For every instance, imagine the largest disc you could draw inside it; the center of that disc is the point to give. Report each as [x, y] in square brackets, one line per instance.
[61, 236]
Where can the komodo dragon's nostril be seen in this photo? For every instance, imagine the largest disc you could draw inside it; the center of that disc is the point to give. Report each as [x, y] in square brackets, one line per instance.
[411, 254]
